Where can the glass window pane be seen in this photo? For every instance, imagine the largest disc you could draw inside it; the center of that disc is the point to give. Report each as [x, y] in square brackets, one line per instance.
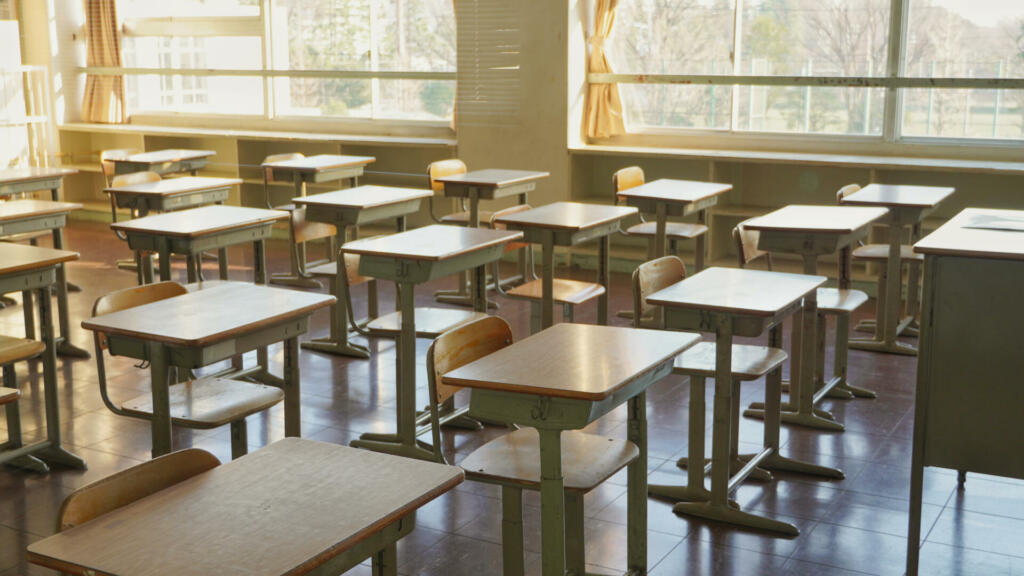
[964, 113]
[672, 37]
[677, 106]
[153, 9]
[323, 97]
[415, 35]
[811, 110]
[815, 37]
[197, 94]
[230, 52]
[966, 39]
[416, 99]
[322, 34]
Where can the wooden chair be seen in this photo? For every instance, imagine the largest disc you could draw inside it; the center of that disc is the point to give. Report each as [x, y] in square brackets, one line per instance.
[525, 250]
[878, 254]
[300, 231]
[451, 167]
[632, 177]
[202, 403]
[107, 165]
[568, 293]
[12, 351]
[513, 460]
[122, 488]
[131, 264]
[698, 363]
[837, 302]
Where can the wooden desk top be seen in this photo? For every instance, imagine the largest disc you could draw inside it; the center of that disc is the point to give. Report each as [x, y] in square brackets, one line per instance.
[320, 163]
[29, 174]
[436, 242]
[960, 237]
[494, 177]
[573, 216]
[175, 186]
[19, 257]
[899, 196]
[210, 315]
[200, 221]
[817, 219]
[21, 209]
[362, 197]
[285, 509]
[738, 291]
[676, 191]
[170, 155]
[578, 361]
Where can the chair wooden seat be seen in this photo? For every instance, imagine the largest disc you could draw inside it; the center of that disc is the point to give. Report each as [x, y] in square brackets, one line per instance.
[430, 322]
[565, 291]
[26, 236]
[18, 349]
[330, 269]
[290, 207]
[587, 459]
[748, 362]
[679, 230]
[462, 218]
[880, 253]
[8, 395]
[836, 301]
[210, 402]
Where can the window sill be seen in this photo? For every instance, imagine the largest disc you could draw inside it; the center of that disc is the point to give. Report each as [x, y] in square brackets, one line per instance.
[276, 135]
[886, 162]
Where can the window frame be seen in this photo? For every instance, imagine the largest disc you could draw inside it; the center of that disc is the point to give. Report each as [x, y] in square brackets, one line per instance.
[894, 82]
[259, 26]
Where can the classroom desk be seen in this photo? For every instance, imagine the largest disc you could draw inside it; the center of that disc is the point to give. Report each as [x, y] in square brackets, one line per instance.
[667, 197]
[294, 507]
[569, 224]
[408, 259]
[194, 231]
[812, 231]
[26, 216]
[163, 162]
[732, 302]
[488, 184]
[352, 207]
[564, 378]
[32, 179]
[908, 205]
[967, 413]
[28, 268]
[209, 325]
[315, 170]
[172, 194]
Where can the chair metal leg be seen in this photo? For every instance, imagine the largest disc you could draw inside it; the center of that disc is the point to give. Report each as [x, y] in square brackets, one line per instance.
[575, 551]
[512, 531]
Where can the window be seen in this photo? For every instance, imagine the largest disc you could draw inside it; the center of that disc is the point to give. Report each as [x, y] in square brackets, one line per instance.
[822, 67]
[364, 59]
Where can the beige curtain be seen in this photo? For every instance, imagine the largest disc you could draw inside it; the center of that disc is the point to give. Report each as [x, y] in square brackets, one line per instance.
[604, 104]
[104, 94]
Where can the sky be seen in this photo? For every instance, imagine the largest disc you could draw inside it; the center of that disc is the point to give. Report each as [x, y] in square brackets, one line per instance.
[986, 12]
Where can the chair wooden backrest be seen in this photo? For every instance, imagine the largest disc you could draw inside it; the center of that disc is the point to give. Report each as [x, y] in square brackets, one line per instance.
[651, 277]
[133, 178]
[135, 483]
[846, 191]
[106, 164]
[132, 297]
[746, 246]
[268, 174]
[511, 246]
[443, 168]
[627, 178]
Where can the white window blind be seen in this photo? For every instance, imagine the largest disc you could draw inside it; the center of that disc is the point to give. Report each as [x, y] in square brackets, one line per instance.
[489, 58]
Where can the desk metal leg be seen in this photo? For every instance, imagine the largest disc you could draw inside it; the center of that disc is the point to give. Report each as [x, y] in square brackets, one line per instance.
[297, 276]
[403, 442]
[547, 273]
[165, 262]
[64, 345]
[719, 508]
[552, 503]
[337, 343]
[661, 224]
[27, 309]
[887, 325]
[603, 278]
[701, 241]
[161, 422]
[292, 389]
[636, 498]
[694, 491]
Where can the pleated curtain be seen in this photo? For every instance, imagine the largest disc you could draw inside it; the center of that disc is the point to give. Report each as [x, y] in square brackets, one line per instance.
[104, 99]
[604, 103]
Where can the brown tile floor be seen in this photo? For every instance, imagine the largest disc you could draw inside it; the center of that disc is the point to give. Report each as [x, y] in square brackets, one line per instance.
[854, 526]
